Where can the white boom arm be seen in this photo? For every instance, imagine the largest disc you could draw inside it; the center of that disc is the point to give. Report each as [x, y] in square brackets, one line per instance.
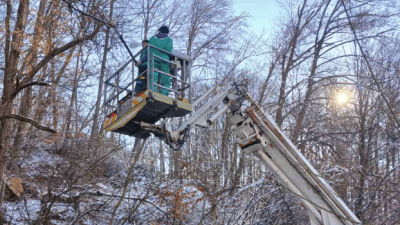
[258, 134]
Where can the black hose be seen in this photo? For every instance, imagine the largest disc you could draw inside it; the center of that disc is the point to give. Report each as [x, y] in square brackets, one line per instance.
[180, 143]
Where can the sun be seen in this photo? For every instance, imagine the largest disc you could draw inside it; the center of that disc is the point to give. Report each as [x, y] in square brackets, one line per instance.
[342, 98]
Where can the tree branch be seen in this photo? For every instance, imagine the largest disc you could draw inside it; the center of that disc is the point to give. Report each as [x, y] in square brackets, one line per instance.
[21, 87]
[58, 51]
[394, 119]
[33, 123]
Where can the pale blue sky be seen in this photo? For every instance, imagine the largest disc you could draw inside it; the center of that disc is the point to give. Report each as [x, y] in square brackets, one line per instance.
[263, 13]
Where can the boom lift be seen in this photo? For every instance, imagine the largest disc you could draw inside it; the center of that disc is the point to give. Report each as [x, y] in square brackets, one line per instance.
[257, 134]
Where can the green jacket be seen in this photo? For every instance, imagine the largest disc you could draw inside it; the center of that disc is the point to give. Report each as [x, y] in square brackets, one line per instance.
[163, 43]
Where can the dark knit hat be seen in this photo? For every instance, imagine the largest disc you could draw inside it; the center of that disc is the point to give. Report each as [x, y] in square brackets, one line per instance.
[145, 41]
[164, 29]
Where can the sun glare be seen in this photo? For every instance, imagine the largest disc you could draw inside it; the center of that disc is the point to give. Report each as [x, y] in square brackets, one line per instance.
[342, 98]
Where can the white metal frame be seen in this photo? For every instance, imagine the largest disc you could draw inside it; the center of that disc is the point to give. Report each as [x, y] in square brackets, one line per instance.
[258, 134]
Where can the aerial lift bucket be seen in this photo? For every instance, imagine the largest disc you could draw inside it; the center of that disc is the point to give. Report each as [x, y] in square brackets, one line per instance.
[148, 106]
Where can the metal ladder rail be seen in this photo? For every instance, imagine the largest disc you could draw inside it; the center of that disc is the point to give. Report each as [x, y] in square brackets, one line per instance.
[309, 172]
[298, 182]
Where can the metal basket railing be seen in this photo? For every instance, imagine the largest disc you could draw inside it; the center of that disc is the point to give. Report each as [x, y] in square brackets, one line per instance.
[119, 81]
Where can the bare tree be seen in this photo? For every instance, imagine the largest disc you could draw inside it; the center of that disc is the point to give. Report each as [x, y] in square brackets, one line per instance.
[13, 54]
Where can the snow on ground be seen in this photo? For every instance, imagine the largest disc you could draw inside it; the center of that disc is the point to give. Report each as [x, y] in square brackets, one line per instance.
[17, 214]
[151, 210]
[161, 198]
[40, 157]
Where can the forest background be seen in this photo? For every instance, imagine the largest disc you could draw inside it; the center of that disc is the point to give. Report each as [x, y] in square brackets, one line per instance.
[52, 64]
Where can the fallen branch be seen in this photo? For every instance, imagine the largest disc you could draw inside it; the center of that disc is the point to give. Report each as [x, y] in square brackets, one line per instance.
[33, 123]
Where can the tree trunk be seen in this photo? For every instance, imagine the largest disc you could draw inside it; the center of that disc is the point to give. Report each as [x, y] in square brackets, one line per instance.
[177, 158]
[31, 60]
[129, 176]
[362, 148]
[238, 172]
[224, 146]
[281, 99]
[53, 93]
[26, 105]
[234, 164]
[95, 127]
[146, 20]
[287, 64]
[162, 161]
[12, 53]
[250, 176]
[265, 84]
[67, 134]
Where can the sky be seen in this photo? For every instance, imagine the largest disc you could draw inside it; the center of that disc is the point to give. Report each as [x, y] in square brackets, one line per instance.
[263, 13]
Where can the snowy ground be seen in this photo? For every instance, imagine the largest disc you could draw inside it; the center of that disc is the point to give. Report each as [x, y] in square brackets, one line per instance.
[99, 198]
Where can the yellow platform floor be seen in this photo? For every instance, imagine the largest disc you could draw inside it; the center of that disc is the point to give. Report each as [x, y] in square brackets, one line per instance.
[149, 107]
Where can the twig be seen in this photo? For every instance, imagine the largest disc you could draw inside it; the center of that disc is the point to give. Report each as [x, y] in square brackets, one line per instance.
[33, 123]
[106, 23]
[128, 179]
[57, 51]
[370, 68]
[27, 211]
[318, 206]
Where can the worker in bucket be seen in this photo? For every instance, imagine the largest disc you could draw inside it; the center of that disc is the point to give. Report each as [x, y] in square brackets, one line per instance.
[162, 41]
[141, 81]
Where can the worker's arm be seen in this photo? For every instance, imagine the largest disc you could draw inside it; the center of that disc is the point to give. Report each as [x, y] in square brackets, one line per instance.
[142, 58]
[143, 55]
